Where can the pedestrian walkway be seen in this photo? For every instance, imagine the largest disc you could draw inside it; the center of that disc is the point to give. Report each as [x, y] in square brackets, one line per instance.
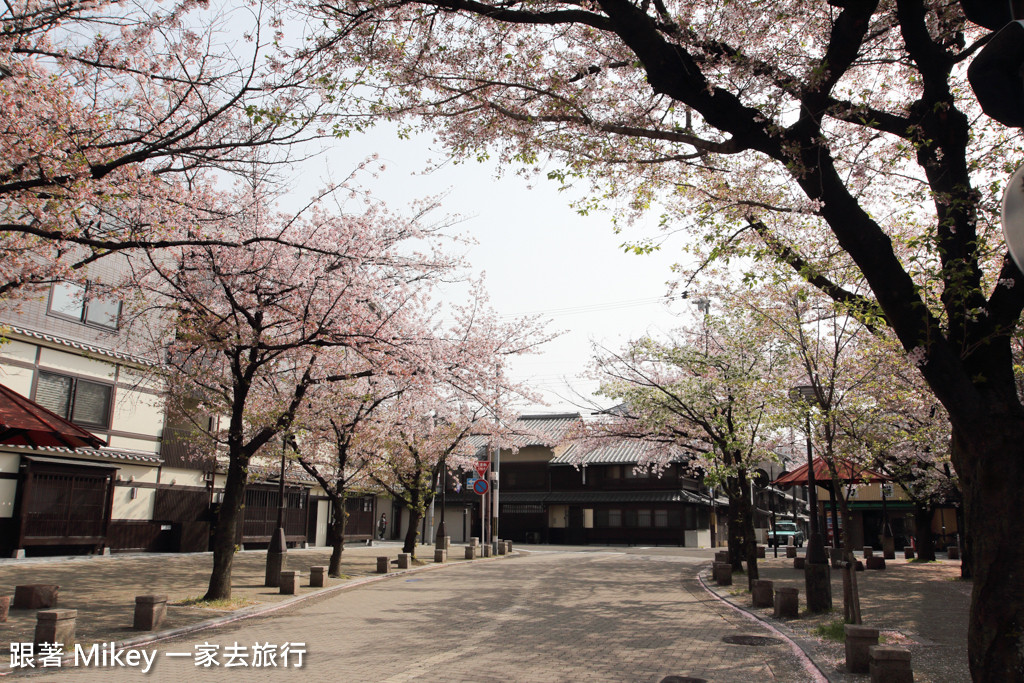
[921, 606]
[103, 589]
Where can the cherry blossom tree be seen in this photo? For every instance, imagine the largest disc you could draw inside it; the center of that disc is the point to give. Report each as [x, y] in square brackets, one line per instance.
[257, 327]
[710, 390]
[116, 122]
[817, 135]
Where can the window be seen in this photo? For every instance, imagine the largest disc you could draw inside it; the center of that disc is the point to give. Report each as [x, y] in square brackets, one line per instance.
[84, 305]
[661, 518]
[614, 518]
[81, 401]
[643, 518]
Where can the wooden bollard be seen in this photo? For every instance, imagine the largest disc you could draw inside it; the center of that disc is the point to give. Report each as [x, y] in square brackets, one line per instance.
[790, 551]
[868, 551]
[440, 555]
[317, 576]
[382, 564]
[889, 548]
[5, 607]
[859, 640]
[762, 593]
[953, 552]
[760, 552]
[908, 552]
[722, 572]
[56, 626]
[404, 560]
[890, 664]
[787, 605]
[721, 556]
[799, 562]
[150, 611]
[835, 556]
[35, 596]
[289, 582]
[875, 562]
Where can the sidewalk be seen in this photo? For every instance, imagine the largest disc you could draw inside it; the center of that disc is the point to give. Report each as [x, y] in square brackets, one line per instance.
[921, 606]
[103, 589]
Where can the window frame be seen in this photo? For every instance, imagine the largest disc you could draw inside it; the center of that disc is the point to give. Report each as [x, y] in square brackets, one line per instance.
[73, 398]
[90, 292]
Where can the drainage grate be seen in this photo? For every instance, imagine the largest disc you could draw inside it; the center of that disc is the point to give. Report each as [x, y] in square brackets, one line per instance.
[753, 641]
[682, 679]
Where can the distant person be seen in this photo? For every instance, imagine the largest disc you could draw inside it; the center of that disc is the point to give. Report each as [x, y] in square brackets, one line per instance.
[382, 526]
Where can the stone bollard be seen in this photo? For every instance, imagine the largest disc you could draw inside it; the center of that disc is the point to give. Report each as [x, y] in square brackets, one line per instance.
[403, 560]
[470, 552]
[953, 552]
[447, 542]
[35, 596]
[875, 562]
[908, 552]
[440, 555]
[889, 548]
[890, 664]
[791, 551]
[760, 552]
[474, 541]
[859, 640]
[150, 611]
[868, 551]
[487, 550]
[5, 607]
[722, 572]
[799, 562]
[508, 546]
[318, 576]
[289, 582]
[787, 605]
[382, 564]
[56, 626]
[763, 593]
[721, 556]
[502, 548]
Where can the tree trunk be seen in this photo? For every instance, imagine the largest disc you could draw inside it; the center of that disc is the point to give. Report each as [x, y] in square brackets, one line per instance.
[224, 532]
[746, 510]
[923, 533]
[735, 540]
[413, 532]
[339, 520]
[989, 457]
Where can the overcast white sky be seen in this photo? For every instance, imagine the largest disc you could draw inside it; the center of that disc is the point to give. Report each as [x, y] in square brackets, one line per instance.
[538, 254]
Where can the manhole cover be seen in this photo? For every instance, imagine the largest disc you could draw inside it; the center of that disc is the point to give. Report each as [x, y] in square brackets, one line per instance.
[753, 641]
[682, 679]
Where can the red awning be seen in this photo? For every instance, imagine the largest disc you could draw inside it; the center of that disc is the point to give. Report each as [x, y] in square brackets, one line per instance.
[848, 471]
[26, 423]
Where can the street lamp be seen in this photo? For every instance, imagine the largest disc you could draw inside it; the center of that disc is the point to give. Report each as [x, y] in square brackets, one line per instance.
[277, 551]
[817, 577]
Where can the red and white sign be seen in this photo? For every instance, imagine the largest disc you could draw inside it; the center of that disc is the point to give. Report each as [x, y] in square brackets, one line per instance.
[482, 466]
[480, 486]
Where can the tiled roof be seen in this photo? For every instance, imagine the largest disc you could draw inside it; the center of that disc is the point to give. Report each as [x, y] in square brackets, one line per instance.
[584, 497]
[618, 453]
[81, 346]
[117, 454]
[533, 430]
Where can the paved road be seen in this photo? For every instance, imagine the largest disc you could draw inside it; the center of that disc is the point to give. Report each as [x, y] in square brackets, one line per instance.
[548, 616]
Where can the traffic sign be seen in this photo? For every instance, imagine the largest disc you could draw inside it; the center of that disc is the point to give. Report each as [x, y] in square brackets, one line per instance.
[482, 466]
[480, 486]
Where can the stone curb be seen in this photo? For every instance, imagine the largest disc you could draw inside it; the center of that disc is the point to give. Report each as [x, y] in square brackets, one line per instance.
[813, 668]
[261, 610]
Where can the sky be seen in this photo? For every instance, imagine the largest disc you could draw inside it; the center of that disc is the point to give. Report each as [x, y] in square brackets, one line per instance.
[539, 257]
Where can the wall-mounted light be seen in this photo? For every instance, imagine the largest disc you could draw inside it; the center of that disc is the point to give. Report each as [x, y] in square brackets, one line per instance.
[134, 493]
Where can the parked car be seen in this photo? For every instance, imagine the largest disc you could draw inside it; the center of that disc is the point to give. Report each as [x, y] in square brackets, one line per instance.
[783, 532]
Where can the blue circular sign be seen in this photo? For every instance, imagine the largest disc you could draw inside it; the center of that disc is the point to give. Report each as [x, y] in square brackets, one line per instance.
[480, 486]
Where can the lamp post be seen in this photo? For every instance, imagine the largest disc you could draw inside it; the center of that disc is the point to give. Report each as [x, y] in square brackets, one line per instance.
[277, 551]
[817, 578]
